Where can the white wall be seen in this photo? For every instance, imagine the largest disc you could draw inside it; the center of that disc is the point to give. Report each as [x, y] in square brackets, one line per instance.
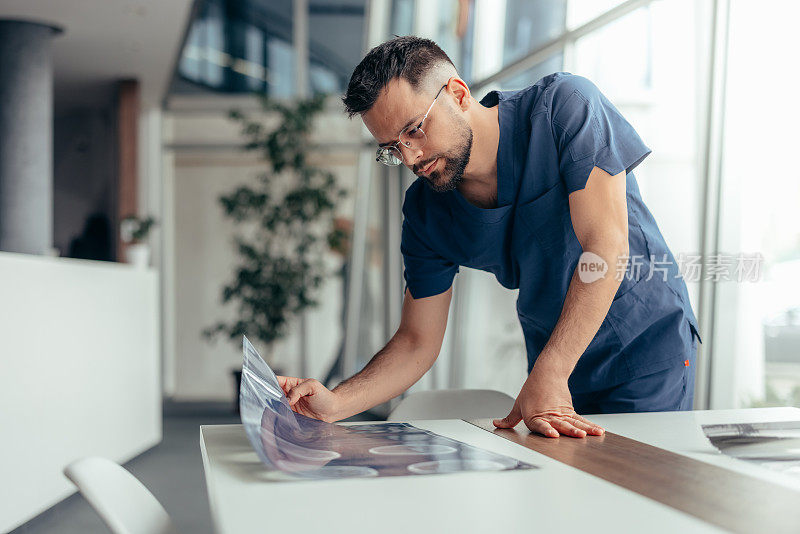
[202, 161]
[79, 347]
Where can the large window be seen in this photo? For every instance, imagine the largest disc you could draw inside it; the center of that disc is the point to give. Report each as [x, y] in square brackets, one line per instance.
[652, 74]
[756, 356]
[635, 61]
[529, 25]
[242, 46]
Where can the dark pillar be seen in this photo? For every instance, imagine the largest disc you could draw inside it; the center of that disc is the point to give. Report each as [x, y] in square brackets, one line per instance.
[26, 137]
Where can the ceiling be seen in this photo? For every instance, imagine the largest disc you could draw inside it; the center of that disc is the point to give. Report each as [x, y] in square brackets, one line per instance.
[104, 41]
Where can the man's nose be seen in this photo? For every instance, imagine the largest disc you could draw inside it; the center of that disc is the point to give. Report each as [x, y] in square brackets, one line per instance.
[410, 155]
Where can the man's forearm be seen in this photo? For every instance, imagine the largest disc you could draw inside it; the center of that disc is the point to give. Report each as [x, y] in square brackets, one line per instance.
[390, 372]
[585, 308]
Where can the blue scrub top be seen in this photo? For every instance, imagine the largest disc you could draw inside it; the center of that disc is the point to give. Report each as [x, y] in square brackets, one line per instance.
[552, 134]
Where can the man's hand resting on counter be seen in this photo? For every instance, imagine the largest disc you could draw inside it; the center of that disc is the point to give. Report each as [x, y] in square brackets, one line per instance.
[545, 404]
[309, 397]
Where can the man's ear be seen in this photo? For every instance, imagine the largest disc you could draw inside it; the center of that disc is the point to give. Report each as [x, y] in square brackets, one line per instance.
[460, 91]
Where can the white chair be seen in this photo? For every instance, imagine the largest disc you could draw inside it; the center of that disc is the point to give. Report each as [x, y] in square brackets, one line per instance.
[121, 501]
[453, 404]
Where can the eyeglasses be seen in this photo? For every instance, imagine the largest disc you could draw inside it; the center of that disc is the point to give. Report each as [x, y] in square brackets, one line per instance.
[412, 137]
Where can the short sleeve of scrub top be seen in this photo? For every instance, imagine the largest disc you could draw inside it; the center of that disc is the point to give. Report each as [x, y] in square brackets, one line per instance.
[589, 132]
[426, 273]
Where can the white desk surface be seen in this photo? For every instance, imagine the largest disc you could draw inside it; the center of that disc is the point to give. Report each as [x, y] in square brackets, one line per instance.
[245, 497]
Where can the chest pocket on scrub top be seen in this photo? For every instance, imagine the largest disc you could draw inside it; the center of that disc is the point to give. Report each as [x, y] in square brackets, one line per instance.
[547, 250]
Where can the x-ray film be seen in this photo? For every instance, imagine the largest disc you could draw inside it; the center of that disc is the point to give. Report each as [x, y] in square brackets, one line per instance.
[774, 445]
[303, 447]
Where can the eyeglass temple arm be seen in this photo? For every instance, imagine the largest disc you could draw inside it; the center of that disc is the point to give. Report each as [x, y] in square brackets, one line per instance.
[432, 103]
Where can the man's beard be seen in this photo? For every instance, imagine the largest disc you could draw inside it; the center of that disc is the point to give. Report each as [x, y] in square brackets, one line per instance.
[455, 161]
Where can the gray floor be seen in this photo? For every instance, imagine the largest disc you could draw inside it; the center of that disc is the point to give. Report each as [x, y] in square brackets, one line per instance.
[173, 471]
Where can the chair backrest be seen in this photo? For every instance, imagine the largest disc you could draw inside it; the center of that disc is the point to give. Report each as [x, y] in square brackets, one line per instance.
[123, 503]
[453, 404]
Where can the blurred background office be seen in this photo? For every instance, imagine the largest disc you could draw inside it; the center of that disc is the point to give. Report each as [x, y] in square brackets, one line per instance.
[117, 143]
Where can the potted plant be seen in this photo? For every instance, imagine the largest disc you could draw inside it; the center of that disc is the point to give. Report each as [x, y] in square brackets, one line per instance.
[133, 232]
[284, 224]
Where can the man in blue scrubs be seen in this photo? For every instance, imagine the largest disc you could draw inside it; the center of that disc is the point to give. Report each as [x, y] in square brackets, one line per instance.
[535, 186]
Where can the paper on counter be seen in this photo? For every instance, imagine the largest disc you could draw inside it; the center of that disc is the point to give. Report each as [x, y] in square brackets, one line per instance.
[307, 448]
[774, 445]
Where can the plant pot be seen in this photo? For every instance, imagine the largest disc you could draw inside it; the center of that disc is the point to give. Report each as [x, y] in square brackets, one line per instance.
[138, 255]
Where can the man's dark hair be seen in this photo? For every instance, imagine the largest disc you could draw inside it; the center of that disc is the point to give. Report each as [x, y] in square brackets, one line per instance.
[409, 57]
